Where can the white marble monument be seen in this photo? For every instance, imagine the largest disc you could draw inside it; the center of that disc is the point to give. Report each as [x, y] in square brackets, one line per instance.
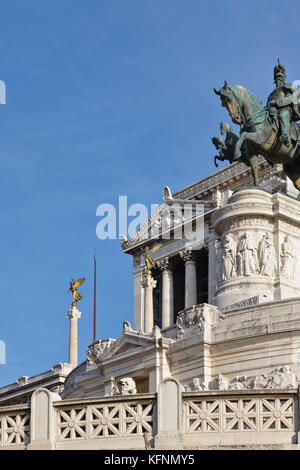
[213, 356]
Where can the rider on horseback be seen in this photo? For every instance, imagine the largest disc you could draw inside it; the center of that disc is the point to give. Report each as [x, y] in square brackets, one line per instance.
[281, 104]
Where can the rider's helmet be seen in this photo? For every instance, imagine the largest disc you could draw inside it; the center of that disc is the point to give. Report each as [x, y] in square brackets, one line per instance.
[279, 70]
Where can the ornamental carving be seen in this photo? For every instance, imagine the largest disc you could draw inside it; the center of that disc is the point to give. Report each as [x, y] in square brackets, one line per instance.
[148, 281]
[228, 258]
[246, 259]
[279, 378]
[97, 349]
[240, 222]
[246, 256]
[288, 258]
[195, 385]
[156, 333]
[123, 386]
[127, 386]
[267, 257]
[193, 320]
[187, 254]
[163, 264]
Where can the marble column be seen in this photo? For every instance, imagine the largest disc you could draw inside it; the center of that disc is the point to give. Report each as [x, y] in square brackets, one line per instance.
[167, 293]
[190, 278]
[213, 265]
[73, 314]
[139, 301]
[148, 283]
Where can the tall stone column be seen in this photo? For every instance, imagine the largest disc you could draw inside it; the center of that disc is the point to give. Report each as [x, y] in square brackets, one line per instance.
[190, 278]
[167, 293]
[139, 301]
[213, 248]
[73, 314]
[148, 283]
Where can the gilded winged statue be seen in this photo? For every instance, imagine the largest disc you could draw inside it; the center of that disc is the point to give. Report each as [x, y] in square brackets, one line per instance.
[150, 262]
[73, 289]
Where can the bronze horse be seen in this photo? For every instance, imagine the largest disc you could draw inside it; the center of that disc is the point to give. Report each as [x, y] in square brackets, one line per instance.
[259, 134]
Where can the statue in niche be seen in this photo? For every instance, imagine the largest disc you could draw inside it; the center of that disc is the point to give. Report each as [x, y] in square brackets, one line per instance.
[228, 261]
[287, 256]
[266, 256]
[246, 256]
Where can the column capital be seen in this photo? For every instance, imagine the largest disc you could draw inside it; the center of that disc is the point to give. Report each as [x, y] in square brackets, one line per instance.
[73, 313]
[187, 255]
[148, 281]
[165, 264]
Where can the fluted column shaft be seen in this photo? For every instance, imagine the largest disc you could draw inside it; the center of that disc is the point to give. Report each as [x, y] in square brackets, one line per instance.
[167, 293]
[190, 278]
[148, 283]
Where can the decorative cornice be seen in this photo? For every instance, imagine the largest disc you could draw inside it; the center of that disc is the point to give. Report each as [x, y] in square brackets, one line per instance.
[225, 177]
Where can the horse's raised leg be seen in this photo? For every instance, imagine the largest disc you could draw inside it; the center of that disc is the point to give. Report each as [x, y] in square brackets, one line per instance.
[257, 138]
[254, 168]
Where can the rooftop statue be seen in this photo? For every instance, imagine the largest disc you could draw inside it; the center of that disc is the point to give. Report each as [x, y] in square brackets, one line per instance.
[270, 131]
[73, 289]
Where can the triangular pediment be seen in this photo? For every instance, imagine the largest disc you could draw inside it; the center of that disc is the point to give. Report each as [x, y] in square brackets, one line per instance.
[128, 343]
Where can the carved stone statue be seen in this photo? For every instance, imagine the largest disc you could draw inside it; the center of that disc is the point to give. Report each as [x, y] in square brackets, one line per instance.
[128, 386]
[282, 377]
[246, 256]
[287, 256]
[221, 382]
[238, 383]
[195, 385]
[266, 256]
[228, 261]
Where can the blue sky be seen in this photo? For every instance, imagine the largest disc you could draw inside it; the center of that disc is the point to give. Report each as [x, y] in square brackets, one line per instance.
[108, 98]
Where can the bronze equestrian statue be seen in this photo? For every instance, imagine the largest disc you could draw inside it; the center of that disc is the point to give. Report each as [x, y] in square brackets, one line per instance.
[269, 131]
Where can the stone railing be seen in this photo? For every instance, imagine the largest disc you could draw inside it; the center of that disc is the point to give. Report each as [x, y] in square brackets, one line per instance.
[105, 419]
[170, 419]
[240, 418]
[14, 426]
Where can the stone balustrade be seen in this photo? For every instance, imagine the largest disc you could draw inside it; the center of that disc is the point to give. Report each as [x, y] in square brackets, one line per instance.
[15, 426]
[200, 419]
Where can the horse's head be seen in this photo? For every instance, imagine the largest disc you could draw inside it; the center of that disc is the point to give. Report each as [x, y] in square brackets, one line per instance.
[230, 102]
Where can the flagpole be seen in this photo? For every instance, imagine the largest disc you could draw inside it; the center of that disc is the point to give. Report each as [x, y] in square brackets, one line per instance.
[94, 336]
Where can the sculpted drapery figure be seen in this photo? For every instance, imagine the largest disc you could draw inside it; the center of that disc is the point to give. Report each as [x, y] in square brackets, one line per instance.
[266, 256]
[287, 256]
[246, 256]
[228, 262]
